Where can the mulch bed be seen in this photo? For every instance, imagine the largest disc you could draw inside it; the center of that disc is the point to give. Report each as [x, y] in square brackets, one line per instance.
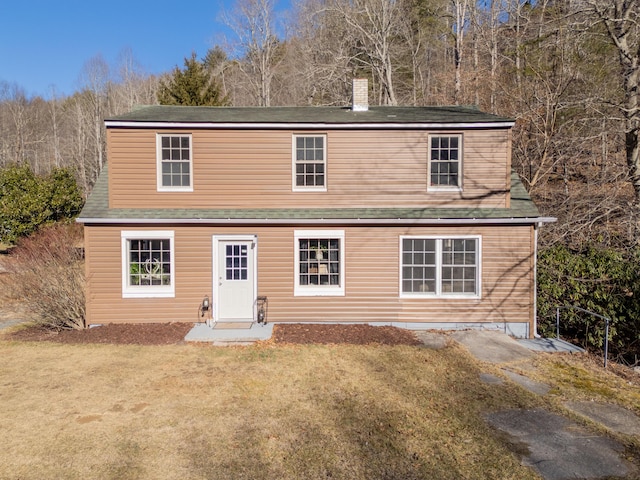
[124, 334]
[174, 333]
[351, 334]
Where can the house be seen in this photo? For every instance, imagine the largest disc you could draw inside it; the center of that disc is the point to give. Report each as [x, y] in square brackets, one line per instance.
[409, 216]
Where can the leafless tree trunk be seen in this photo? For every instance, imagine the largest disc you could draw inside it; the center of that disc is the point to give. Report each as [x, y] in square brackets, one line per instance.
[80, 152]
[476, 60]
[460, 18]
[96, 79]
[257, 46]
[517, 17]
[620, 19]
[15, 104]
[373, 26]
[54, 106]
[134, 86]
[495, 11]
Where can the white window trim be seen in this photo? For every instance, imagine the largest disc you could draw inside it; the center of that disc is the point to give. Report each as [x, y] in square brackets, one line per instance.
[446, 188]
[146, 291]
[318, 290]
[163, 188]
[438, 293]
[297, 188]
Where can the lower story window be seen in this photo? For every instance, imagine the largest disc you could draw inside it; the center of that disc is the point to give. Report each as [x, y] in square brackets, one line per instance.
[319, 262]
[147, 264]
[440, 266]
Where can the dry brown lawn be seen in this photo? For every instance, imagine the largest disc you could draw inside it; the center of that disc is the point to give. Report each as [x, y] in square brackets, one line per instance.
[261, 412]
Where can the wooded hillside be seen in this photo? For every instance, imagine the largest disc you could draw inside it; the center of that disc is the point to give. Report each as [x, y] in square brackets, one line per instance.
[566, 70]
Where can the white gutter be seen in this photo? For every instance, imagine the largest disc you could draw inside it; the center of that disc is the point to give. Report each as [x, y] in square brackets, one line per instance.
[333, 221]
[315, 126]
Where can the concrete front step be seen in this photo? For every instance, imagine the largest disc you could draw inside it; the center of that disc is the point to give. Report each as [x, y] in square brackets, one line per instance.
[201, 332]
[550, 345]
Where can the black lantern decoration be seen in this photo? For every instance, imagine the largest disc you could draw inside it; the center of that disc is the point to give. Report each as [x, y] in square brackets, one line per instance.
[261, 309]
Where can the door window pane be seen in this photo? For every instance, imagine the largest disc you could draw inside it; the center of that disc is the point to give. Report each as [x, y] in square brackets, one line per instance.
[236, 262]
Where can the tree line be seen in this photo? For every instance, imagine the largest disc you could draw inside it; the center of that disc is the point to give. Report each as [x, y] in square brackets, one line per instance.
[568, 72]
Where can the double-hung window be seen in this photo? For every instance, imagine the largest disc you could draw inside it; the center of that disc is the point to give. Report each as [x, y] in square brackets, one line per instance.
[445, 267]
[148, 264]
[309, 162]
[445, 162]
[319, 262]
[174, 163]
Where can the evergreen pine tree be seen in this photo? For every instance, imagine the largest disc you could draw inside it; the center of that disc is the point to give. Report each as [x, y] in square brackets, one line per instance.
[192, 86]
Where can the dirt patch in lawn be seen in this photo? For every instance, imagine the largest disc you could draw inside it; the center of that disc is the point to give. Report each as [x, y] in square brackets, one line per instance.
[174, 333]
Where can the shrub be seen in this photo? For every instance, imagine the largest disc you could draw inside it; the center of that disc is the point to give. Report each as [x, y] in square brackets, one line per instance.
[47, 274]
[601, 280]
[63, 198]
[28, 201]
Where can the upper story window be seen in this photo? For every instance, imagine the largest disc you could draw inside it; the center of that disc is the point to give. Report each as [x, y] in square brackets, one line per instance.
[147, 264]
[445, 162]
[174, 163]
[319, 260]
[440, 266]
[309, 162]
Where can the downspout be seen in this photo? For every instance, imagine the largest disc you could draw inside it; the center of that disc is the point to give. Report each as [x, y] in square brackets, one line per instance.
[535, 280]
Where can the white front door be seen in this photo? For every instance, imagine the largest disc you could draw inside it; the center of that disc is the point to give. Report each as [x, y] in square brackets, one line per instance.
[234, 274]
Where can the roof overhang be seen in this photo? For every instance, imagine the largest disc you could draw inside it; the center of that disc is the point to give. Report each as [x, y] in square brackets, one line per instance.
[316, 221]
[303, 126]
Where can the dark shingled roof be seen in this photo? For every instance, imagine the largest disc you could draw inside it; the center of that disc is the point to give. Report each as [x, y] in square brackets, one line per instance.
[96, 210]
[310, 115]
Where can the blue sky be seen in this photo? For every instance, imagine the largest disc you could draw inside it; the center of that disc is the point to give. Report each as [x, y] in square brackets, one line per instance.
[45, 43]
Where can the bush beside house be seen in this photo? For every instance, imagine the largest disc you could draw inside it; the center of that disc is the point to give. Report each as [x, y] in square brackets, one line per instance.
[46, 266]
[47, 275]
[602, 280]
[28, 201]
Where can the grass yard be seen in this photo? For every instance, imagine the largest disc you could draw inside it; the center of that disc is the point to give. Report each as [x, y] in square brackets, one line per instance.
[262, 412]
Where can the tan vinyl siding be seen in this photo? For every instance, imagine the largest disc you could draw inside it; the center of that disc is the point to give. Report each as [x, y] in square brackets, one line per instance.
[246, 169]
[371, 271]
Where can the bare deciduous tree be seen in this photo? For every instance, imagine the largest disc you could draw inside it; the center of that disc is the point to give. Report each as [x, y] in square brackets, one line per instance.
[15, 123]
[547, 63]
[257, 45]
[459, 25]
[374, 28]
[621, 22]
[133, 86]
[318, 60]
[96, 78]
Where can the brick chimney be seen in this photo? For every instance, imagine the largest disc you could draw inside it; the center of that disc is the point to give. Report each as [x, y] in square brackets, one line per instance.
[360, 95]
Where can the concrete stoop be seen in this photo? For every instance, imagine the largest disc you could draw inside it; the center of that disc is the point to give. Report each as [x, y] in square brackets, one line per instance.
[201, 332]
[550, 345]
